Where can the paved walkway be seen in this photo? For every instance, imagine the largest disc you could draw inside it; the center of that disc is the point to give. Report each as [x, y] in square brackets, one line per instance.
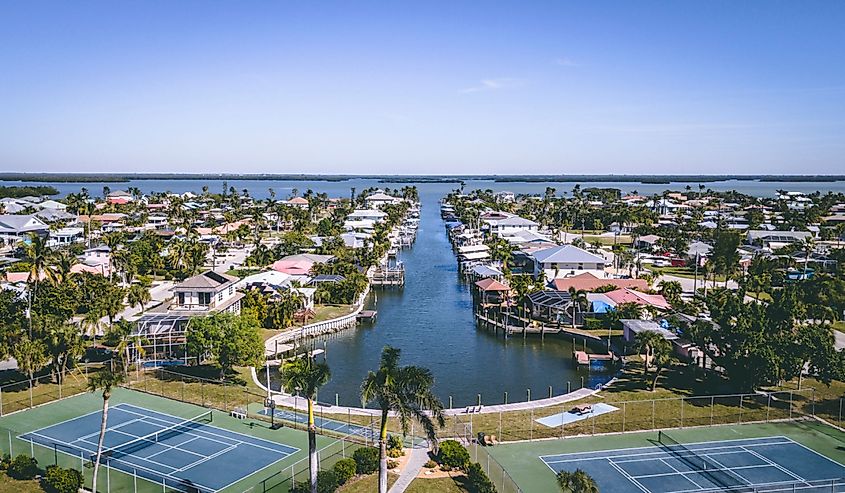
[419, 456]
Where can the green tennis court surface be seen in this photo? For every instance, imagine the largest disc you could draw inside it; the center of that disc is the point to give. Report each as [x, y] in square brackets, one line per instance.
[155, 444]
[806, 457]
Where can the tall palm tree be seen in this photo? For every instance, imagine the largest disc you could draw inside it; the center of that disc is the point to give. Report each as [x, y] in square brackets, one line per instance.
[406, 391]
[39, 256]
[104, 380]
[306, 376]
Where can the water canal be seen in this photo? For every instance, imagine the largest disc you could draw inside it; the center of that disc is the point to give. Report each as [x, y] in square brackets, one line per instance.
[431, 320]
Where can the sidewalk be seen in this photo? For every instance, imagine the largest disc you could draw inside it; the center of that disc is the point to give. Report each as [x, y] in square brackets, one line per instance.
[412, 469]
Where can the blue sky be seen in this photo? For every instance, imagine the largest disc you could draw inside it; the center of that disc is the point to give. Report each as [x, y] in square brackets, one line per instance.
[423, 87]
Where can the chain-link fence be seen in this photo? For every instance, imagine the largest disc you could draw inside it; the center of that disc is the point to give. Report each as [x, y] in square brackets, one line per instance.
[562, 420]
[28, 393]
[497, 474]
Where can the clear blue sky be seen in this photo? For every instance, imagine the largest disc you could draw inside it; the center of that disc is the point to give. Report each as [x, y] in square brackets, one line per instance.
[423, 87]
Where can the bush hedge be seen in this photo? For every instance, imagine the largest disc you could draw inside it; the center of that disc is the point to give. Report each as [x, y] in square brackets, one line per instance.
[453, 454]
[23, 467]
[366, 460]
[344, 470]
[60, 480]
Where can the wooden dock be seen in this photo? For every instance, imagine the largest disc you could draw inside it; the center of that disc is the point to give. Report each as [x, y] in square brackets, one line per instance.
[511, 325]
[388, 277]
[367, 315]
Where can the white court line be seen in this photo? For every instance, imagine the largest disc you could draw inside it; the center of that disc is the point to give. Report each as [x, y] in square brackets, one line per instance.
[208, 458]
[662, 454]
[208, 434]
[776, 465]
[812, 451]
[656, 451]
[627, 476]
[758, 441]
[682, 474]
[729, 470]
[275, 446]
[661, 474]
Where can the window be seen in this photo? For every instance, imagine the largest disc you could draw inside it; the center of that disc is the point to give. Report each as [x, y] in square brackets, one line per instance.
[231, 290]
[181, 298]
[220, 296]
[205, 298]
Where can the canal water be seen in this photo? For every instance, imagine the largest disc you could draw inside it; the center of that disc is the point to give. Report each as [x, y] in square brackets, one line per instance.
[431, 320]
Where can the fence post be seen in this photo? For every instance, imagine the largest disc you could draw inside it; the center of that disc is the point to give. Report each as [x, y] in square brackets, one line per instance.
[740, 408]
[682, 412]
[790, 404]
[652, 414]
[840, 411]
[30, 392]
[711, 409]
[624, 412]
[768, 405]
[531, 436]
[814, 402]
[1, 401]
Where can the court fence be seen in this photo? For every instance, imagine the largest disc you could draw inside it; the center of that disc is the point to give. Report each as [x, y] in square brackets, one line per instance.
[28, 393]
[636, 415]
[495, 471]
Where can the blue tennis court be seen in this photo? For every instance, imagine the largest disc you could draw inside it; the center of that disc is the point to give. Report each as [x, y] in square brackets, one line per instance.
[187, 455]
[732, 465]
[323, 423]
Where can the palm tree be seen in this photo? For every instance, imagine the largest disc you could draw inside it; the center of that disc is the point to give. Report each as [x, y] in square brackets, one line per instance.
[38, 256]
[104, 380]
[645, 343]
[579, 300]
[661, 357]
[138, 294]
[406, 391]
[576, 482]
[306, 376]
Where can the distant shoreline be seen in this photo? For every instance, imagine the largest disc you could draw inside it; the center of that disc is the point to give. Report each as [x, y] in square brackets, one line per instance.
[645, 179]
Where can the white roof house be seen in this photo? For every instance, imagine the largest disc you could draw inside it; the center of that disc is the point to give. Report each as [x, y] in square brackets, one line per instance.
[13, 228]
[380, 199]
[503, 224]
[567, 261]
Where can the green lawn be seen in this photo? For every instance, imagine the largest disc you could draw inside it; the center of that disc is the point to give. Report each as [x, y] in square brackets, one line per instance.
[457, 484]
[685, 272]
[327, 312]
[366, 484]
[9, 485]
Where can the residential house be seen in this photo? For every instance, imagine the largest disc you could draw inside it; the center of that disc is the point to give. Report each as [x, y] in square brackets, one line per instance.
[776, 239]
[589, 282]
[379, 200]
[567, 261]
[14, 228]
[503, 224]
[206, 293]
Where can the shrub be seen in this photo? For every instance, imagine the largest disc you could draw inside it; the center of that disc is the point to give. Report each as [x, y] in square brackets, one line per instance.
[366, 460]
[326, 483]
[394, 442]
[392, 464]
[23, 467]
[430, 464]
[344, 470]
[453, 454]
[395, 453]
[593, 323]
[5, 461]
[479, 480]
[59, 480]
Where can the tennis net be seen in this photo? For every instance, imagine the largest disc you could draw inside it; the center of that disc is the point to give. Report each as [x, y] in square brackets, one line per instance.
[144, 441]
[701, 463]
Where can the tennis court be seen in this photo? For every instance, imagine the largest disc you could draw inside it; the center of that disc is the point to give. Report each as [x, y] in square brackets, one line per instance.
[323, 423]
[743, 465]
[186, 455]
